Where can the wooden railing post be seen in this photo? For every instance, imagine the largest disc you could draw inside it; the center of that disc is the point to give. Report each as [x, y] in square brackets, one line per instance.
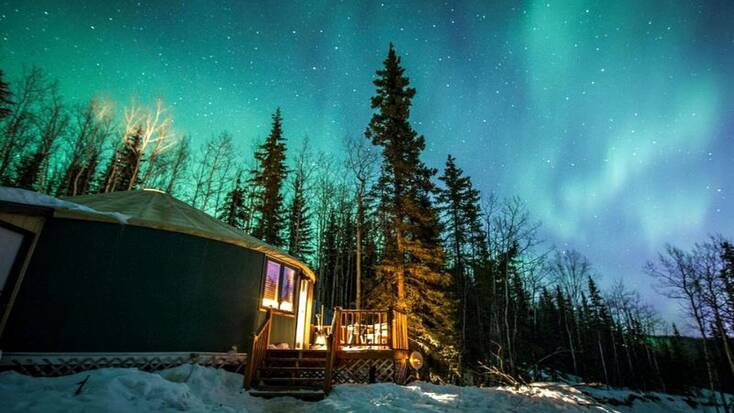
[391, 327]
[332, 347]
[259, 347]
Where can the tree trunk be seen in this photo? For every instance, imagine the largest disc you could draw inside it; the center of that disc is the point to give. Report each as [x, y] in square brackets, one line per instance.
[570, 344]
[358, 240]
[601, 356]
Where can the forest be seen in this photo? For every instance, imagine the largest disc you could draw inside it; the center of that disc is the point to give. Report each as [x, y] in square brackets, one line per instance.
[488, 301]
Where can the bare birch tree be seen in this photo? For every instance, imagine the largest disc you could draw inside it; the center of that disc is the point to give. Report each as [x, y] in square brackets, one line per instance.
[678, 279]
[18, 127]
[362, 159]
[213, 172]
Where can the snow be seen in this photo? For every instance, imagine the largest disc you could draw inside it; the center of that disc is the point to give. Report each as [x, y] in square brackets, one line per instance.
[191, 388]
[25, 197]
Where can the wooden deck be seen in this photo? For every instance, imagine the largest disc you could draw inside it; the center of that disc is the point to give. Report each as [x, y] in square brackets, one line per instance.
[362, 346]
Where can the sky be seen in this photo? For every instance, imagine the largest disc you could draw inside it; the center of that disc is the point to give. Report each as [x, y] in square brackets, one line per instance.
[613, 121]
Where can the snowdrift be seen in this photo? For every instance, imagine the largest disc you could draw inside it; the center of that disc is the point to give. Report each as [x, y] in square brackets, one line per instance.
[191, 388]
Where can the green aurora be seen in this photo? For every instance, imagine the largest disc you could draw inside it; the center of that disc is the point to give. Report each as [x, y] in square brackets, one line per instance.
[612, 120]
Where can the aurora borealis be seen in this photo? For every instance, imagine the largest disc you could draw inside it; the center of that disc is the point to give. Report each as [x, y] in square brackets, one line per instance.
[612, 120]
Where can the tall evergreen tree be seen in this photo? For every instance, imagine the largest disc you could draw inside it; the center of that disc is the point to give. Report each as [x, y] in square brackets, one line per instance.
[5, 98]
[120, 174]
[268, 178]
[599, 324]
[233, 210]
[54, 122]
[412, 258]
[459, 206]
[727, 277]
[300, 232]
[131, 158]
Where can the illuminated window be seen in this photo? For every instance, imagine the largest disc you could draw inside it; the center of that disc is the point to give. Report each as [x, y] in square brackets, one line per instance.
[272, 280]
[286, 292]
[279, 288]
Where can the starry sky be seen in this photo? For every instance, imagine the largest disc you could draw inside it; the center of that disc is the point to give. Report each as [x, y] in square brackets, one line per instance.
[613, 120]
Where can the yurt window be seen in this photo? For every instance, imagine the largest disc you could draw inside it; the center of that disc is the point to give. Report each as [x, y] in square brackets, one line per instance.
[286, 293]
[279, 287]
[272, 279]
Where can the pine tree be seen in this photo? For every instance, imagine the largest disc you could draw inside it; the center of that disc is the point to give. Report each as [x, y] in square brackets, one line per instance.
[677, 368]
[727, 276]
[120, 172]
[131, 153]
[413, 258]
[268, 178]
[233, 211]
[32, 166]
[29, 169]
[566, 321]
[599, 324]
[458, 204]
[5, 94]
[300, 232]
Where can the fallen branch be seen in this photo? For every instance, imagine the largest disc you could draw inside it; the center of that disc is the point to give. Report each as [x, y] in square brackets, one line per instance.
[81, 386]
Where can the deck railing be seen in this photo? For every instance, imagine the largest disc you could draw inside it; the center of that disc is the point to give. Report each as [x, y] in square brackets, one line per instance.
[399, 330]
[331, 348]
[364, 330]
[385, 329]
[259, 349]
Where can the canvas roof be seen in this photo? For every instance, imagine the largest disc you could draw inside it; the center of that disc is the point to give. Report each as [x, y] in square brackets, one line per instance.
[151, 209]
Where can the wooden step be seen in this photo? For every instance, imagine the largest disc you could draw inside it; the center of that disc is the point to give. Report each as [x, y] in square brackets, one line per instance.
[288, 387]
[305, 395]
[295, 359]
[291, 368]
[297, 353]
[312, 381]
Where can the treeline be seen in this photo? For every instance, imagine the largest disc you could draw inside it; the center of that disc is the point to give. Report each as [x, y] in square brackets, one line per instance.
[701, 280]
[488, 302]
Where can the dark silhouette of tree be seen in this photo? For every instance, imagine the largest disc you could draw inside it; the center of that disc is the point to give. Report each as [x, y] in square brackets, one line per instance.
[233, 211]
[268, 179]
[458, 203]
[52, 123]
[300, 230]
[20, 126]
[412, 259]
[6, 103]
[120, 174]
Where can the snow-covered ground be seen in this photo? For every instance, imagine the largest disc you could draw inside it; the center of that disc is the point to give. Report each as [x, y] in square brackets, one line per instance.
[192, 388]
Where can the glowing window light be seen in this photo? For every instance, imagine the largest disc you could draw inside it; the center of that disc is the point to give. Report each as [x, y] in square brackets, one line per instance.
[287, 289]
[279, 287]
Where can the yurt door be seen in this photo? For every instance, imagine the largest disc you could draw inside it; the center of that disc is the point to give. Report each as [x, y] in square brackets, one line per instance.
[301, 327]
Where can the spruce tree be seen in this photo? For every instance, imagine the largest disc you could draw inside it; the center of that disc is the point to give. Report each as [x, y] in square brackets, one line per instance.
[300, 232]
[599, 324]
[566, 321]
[232, 212]
[33, 166]
[459, 206]
[131, 153]
[268, 179]
[119, 173]
[29, 169]
[727, 275]
[412, 259]
[5, 102]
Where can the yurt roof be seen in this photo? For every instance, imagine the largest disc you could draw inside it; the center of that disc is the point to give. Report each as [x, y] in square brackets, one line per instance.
[151, 209]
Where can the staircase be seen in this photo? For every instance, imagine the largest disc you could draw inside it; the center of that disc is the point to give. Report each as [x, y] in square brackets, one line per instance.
[294, 373]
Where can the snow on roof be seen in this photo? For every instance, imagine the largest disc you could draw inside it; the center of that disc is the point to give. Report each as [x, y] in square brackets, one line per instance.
[25, 197]
[151, 209]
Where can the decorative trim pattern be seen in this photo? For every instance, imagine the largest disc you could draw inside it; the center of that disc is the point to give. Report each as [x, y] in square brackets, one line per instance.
[60, 364]
[358, 371]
